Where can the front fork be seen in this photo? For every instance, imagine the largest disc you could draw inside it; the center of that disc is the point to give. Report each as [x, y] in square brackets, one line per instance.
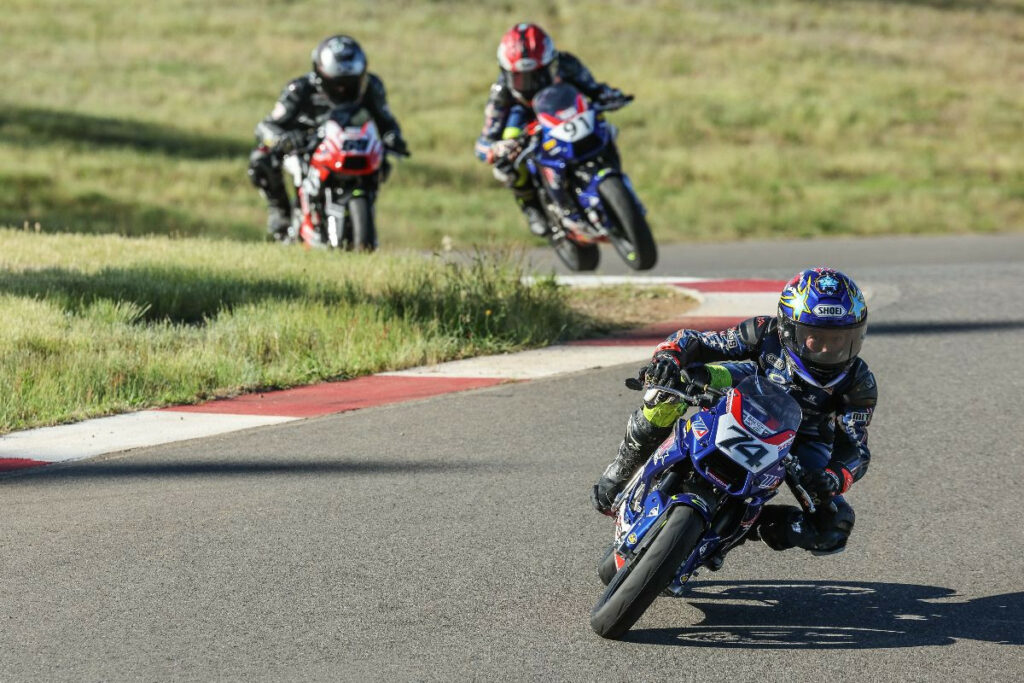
[726, 522]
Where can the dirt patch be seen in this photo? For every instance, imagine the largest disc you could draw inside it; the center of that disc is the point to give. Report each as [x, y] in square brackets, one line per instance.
[624, 307]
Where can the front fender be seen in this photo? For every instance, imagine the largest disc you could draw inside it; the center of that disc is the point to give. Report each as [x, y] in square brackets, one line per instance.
[656, 509]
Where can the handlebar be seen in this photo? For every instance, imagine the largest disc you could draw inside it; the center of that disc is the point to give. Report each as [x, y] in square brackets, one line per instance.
[654, 393]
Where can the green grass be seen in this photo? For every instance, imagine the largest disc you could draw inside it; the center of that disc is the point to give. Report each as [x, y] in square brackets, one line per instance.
[103, 324]
[753, 117]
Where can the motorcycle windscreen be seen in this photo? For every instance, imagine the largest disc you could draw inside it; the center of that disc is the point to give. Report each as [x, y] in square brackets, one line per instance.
[767, 407]
[560, 101]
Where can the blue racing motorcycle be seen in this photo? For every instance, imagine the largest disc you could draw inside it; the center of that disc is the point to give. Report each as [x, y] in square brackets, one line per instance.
[587, 199]
[697, 495]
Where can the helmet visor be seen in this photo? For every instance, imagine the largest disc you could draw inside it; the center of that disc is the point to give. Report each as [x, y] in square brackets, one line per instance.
[828, 346]
[529, 83]
[340, 89]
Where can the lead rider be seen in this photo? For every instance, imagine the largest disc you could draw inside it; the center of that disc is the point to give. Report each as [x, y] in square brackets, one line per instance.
[811, 349]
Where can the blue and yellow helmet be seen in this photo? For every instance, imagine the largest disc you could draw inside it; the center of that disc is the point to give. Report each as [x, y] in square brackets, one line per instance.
[822, 322]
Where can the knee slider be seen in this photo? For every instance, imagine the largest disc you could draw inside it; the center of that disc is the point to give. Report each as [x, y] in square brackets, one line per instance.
[844, 516]
[834, 529]
[776, 524]
[261, 169]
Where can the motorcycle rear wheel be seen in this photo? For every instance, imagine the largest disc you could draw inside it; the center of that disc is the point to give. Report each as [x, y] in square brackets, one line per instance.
[636, 585]
[364, 232]
[632, 237]
[576, 257]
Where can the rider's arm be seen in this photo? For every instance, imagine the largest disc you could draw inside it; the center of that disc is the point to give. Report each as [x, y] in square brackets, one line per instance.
[851, 445]
[376, 102]
[692, 347]
[572, 70]
[496, 114]
[285, 115]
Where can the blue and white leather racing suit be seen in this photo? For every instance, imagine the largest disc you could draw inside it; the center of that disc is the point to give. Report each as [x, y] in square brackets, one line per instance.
[832, 435]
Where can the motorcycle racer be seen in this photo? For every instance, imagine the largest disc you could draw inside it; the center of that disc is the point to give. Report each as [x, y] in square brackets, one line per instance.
[811, 349]
[339, 78]
[528, 63]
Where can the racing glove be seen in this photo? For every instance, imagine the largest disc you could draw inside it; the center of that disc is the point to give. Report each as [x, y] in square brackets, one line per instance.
[506, 150]
[698, 377]
[663, 370]
[825, 484]
[394, 143]
[612, 98]
[290, 140]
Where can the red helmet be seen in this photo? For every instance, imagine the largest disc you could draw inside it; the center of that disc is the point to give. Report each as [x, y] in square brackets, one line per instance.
[527, 57]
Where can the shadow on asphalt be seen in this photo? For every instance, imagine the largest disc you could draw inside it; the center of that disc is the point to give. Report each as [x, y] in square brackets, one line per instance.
[118, 469]
[939, 327]
[811, 615]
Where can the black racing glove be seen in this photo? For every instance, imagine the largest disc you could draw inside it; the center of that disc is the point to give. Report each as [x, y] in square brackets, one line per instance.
[395, 144]
[603, 495]
[291, 140]
[612, 98]
[663, 370]
[695, 381]
[823, 485]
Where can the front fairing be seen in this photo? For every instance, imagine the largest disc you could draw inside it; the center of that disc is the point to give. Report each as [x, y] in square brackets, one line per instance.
[570, 134]
[723, 472]
[348, 150]
[558, 152]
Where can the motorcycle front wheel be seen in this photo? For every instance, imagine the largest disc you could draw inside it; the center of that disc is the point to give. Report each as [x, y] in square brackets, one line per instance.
[364, 232]
[631, 236]
[635, 586]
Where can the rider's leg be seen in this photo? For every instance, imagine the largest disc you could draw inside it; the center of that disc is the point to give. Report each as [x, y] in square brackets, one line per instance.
[529, 202]
[824, 532]
[645, 430]
[265, 174]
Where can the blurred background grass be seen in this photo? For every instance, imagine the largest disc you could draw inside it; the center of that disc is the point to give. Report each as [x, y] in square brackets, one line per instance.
[753, 117]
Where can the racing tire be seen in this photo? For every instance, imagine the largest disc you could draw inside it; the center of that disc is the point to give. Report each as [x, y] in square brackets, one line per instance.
[636, 585]
[576, 257]
[606, 568]
[631, 236]
[364, 232]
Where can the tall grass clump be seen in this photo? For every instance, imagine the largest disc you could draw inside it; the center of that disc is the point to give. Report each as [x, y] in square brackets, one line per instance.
[102, 324]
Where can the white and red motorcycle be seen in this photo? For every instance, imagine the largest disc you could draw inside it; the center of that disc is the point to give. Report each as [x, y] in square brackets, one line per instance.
[339, 183]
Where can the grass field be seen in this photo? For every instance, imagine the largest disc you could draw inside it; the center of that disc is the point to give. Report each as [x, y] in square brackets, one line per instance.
[103, 324]
[752, 117]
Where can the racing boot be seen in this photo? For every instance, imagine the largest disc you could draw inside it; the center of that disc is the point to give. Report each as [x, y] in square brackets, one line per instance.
[279, 221]
[779, 526]
[825, 532]
[640, 440]
[529, 204]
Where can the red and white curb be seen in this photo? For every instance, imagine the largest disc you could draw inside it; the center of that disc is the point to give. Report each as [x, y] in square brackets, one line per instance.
[721, 303]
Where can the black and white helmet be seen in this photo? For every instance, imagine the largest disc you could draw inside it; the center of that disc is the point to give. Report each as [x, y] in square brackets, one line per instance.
[340, 67]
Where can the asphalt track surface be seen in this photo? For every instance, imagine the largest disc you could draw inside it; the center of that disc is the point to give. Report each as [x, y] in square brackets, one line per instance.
[452, 538]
